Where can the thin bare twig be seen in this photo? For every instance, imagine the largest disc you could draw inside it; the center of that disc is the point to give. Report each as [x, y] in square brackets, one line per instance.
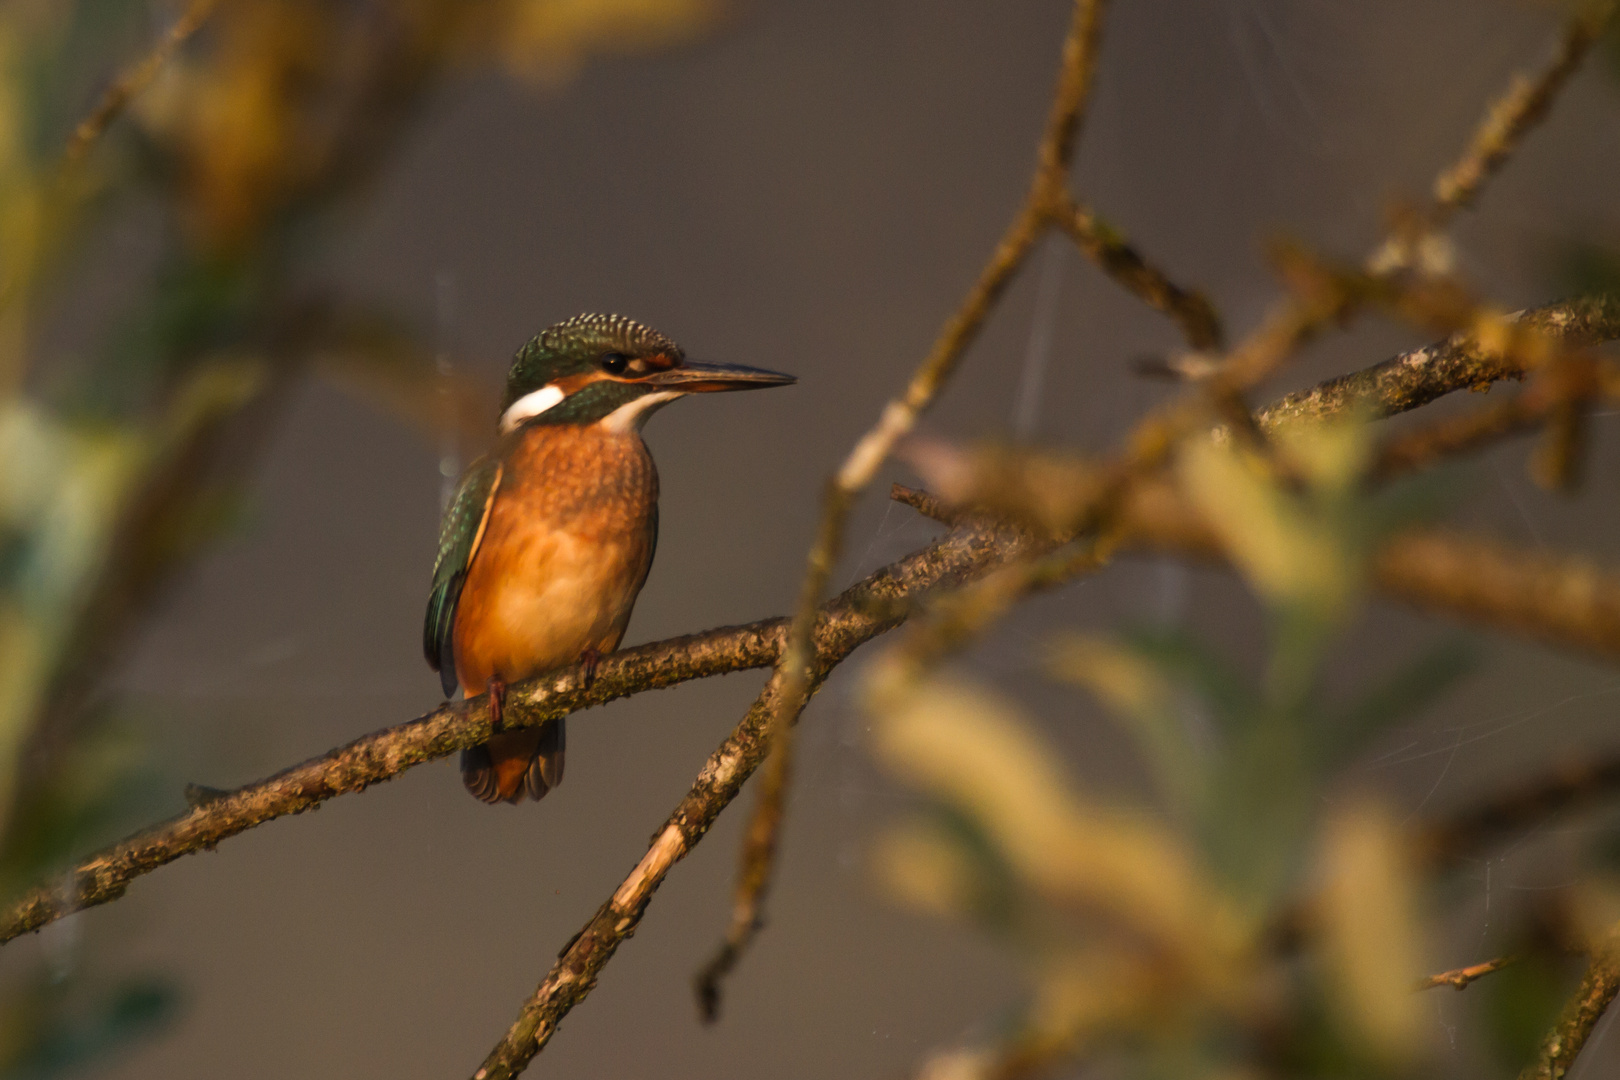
[1455, 435]
[1564, 382]
[1549, 340]
[1459, 978]
[931, 506]
[898, 419]
[1507, 121]
[66, 193]
[1297, 322]
[1557, 401]
[1116, 257]
[136, 79]
[1511, 116]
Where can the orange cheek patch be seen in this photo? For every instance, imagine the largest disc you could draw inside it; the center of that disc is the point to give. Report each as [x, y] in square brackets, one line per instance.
[569, 384]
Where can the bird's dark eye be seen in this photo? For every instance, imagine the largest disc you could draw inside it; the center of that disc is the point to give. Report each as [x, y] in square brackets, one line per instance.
[614, 363]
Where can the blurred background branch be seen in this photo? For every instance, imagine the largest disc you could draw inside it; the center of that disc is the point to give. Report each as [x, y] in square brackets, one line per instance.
[241, 131]
[135, 80]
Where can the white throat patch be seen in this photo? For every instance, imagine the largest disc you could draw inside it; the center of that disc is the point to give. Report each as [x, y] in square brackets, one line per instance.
[530, 405]
[630, 416]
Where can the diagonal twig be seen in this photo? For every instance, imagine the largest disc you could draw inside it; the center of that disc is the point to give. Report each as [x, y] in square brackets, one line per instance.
[1507, 120]
[1295, 323]
[964, 555]
[136, 79]
[1459, 978]
[1455, 435]
[65, 193]
[1516, 112]
[897, 420]
[1417, 377]
[1117, 258]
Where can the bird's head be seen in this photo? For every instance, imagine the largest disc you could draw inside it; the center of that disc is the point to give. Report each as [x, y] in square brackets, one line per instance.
[610, 370]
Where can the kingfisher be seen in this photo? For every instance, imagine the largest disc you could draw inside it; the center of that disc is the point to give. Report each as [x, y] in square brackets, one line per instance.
[549, 537]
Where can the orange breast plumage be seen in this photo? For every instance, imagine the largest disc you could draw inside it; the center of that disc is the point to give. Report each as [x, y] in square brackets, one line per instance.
[566, 548]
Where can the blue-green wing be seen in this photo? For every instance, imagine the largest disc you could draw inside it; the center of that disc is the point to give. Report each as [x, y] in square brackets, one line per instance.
[459, 535]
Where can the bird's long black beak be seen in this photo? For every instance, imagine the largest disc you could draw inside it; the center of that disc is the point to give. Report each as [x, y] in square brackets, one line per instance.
[695, 378]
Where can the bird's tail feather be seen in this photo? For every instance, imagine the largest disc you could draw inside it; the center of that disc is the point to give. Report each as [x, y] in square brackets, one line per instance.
[546, 770]
[516, 764]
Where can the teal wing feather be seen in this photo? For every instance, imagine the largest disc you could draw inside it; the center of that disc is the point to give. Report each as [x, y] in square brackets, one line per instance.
[459, 535]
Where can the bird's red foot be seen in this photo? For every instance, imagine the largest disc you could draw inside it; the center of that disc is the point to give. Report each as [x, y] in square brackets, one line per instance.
[590, 658]
[497, 704]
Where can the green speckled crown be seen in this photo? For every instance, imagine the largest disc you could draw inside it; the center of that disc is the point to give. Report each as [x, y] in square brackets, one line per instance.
[610, 370]
[576, 345]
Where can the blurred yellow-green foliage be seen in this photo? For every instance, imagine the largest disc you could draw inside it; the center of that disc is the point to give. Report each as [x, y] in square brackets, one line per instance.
[1238, 922]
[120, 466]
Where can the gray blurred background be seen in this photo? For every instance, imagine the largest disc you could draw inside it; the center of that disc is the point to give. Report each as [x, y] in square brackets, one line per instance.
[810, 188]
